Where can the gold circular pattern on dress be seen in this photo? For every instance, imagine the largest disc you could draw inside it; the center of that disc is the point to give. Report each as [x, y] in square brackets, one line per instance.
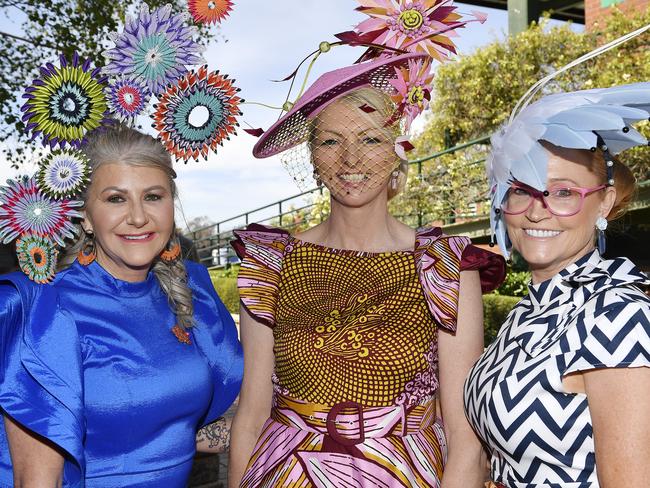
[350, 325]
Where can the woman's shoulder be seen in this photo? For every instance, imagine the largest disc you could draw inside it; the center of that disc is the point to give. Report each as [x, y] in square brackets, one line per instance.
[17, 283]
[446, 255]
[261, 247]
[261, 233]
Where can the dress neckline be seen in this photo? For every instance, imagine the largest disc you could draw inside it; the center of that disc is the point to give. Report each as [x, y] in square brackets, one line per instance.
[103, 280]
[351, 252]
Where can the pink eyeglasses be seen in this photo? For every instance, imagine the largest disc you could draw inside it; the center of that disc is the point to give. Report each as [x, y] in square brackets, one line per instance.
[560, 201]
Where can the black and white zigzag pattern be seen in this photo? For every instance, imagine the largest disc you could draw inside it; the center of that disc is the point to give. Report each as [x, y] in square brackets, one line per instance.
[591, 315]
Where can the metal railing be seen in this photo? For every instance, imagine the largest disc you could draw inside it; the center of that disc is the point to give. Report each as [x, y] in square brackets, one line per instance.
[212, 242]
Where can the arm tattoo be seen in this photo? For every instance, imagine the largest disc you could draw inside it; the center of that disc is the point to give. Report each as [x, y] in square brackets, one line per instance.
[216, 435]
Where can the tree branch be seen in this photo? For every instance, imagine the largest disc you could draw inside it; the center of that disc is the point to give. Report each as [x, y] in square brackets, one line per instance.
[28, 41]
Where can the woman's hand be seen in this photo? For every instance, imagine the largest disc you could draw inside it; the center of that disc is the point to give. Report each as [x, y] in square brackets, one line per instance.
[214, 437]
[466, 461]
[619, 402]
[255, 396]
[36, 462]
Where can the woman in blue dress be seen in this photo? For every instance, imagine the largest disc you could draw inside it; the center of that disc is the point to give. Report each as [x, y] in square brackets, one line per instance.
[108, 371]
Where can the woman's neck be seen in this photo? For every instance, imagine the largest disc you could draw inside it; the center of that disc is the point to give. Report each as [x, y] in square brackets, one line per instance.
[366, 228]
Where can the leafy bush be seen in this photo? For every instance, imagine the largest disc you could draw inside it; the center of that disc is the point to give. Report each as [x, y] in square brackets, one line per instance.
[515, 284]
[230, 272]
[227, 290]
[495, 310]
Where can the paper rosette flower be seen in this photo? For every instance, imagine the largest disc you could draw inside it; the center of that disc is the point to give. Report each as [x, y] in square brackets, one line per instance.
[209, 11]
[154, 47]
[413, 90]
[410, 25]
[65, 103]
[37, 257]
[209, 92]
[127, 98]
[24, 208]
[63, 174]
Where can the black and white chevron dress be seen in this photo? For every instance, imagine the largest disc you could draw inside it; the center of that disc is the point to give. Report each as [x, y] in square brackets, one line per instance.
[591, 315]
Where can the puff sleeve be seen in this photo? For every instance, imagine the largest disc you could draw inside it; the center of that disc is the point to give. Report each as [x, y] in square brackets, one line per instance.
[216, 336]
[41, 384]
[261, 250]
[615, 333]
[439, 260]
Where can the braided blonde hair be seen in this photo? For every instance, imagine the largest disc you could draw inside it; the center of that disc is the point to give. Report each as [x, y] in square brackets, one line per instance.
[123, 145]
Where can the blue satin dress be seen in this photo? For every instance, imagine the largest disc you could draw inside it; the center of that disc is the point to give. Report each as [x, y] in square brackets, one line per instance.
[90, 363]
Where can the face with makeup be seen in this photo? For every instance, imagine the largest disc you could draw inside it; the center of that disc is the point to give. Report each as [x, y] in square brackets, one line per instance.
[549, 243]
[353, 152]
[130, 210]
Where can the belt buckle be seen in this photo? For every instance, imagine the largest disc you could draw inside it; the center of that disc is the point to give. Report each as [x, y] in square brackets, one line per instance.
[332, 430]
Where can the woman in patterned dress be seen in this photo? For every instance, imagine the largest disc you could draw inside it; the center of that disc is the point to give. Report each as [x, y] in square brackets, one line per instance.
[353, 328]
[561, 398]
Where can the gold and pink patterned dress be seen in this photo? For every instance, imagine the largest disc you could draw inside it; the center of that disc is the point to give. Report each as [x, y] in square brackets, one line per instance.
[355, 344]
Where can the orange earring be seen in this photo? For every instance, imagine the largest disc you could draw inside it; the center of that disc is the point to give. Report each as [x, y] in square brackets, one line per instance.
[87, 252]
[172, 254]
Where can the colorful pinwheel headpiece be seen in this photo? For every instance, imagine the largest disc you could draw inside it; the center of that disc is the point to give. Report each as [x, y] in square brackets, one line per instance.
[197, 109]
[152, 57]
[62, 105]
[587, 119]
[402, 40]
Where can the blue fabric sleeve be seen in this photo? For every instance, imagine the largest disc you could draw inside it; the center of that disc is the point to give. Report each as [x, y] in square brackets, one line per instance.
[41, 383]
[217, 337]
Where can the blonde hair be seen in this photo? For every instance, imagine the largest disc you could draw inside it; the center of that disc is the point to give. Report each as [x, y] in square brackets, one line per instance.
[123, 145]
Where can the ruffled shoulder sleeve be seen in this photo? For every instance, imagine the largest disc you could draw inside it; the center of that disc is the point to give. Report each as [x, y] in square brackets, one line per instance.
[261, 250]
[439, 260]
[614, 333]
[41, 384]
[216, 336]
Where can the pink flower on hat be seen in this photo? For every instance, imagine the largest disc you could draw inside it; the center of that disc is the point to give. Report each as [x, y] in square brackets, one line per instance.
[413, 89]
[412, 25]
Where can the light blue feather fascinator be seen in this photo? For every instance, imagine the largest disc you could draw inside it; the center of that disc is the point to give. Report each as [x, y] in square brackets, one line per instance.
[587, 119]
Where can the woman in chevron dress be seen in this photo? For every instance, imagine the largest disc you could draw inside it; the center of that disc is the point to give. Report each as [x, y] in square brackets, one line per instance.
[561, 398]
[352, 328]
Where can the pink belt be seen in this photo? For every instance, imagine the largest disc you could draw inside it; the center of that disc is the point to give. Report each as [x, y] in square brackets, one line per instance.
[349, 423]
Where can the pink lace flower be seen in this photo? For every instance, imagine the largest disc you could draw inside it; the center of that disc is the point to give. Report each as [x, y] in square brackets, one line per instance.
[413, 90]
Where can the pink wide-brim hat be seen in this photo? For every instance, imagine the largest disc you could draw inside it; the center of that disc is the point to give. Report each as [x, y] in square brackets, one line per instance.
[293, 128]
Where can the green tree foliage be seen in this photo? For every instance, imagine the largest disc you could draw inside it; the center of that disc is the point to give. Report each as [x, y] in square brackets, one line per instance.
[475, 95]
[49, 29]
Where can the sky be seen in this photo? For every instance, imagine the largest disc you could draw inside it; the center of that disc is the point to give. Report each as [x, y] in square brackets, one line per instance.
[261, 41]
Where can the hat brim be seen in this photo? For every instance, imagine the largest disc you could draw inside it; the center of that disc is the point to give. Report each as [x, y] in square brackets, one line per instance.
[293, 128]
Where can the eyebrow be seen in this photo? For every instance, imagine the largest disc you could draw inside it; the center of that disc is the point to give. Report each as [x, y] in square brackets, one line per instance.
[563, 179]
[361, 132]
[122, 190]
[328, 131]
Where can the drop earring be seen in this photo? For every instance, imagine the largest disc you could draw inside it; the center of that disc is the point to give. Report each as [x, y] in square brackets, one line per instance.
[171, 252]
[394, 177]
[87, 252]
[601, 225]
[316, 177]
